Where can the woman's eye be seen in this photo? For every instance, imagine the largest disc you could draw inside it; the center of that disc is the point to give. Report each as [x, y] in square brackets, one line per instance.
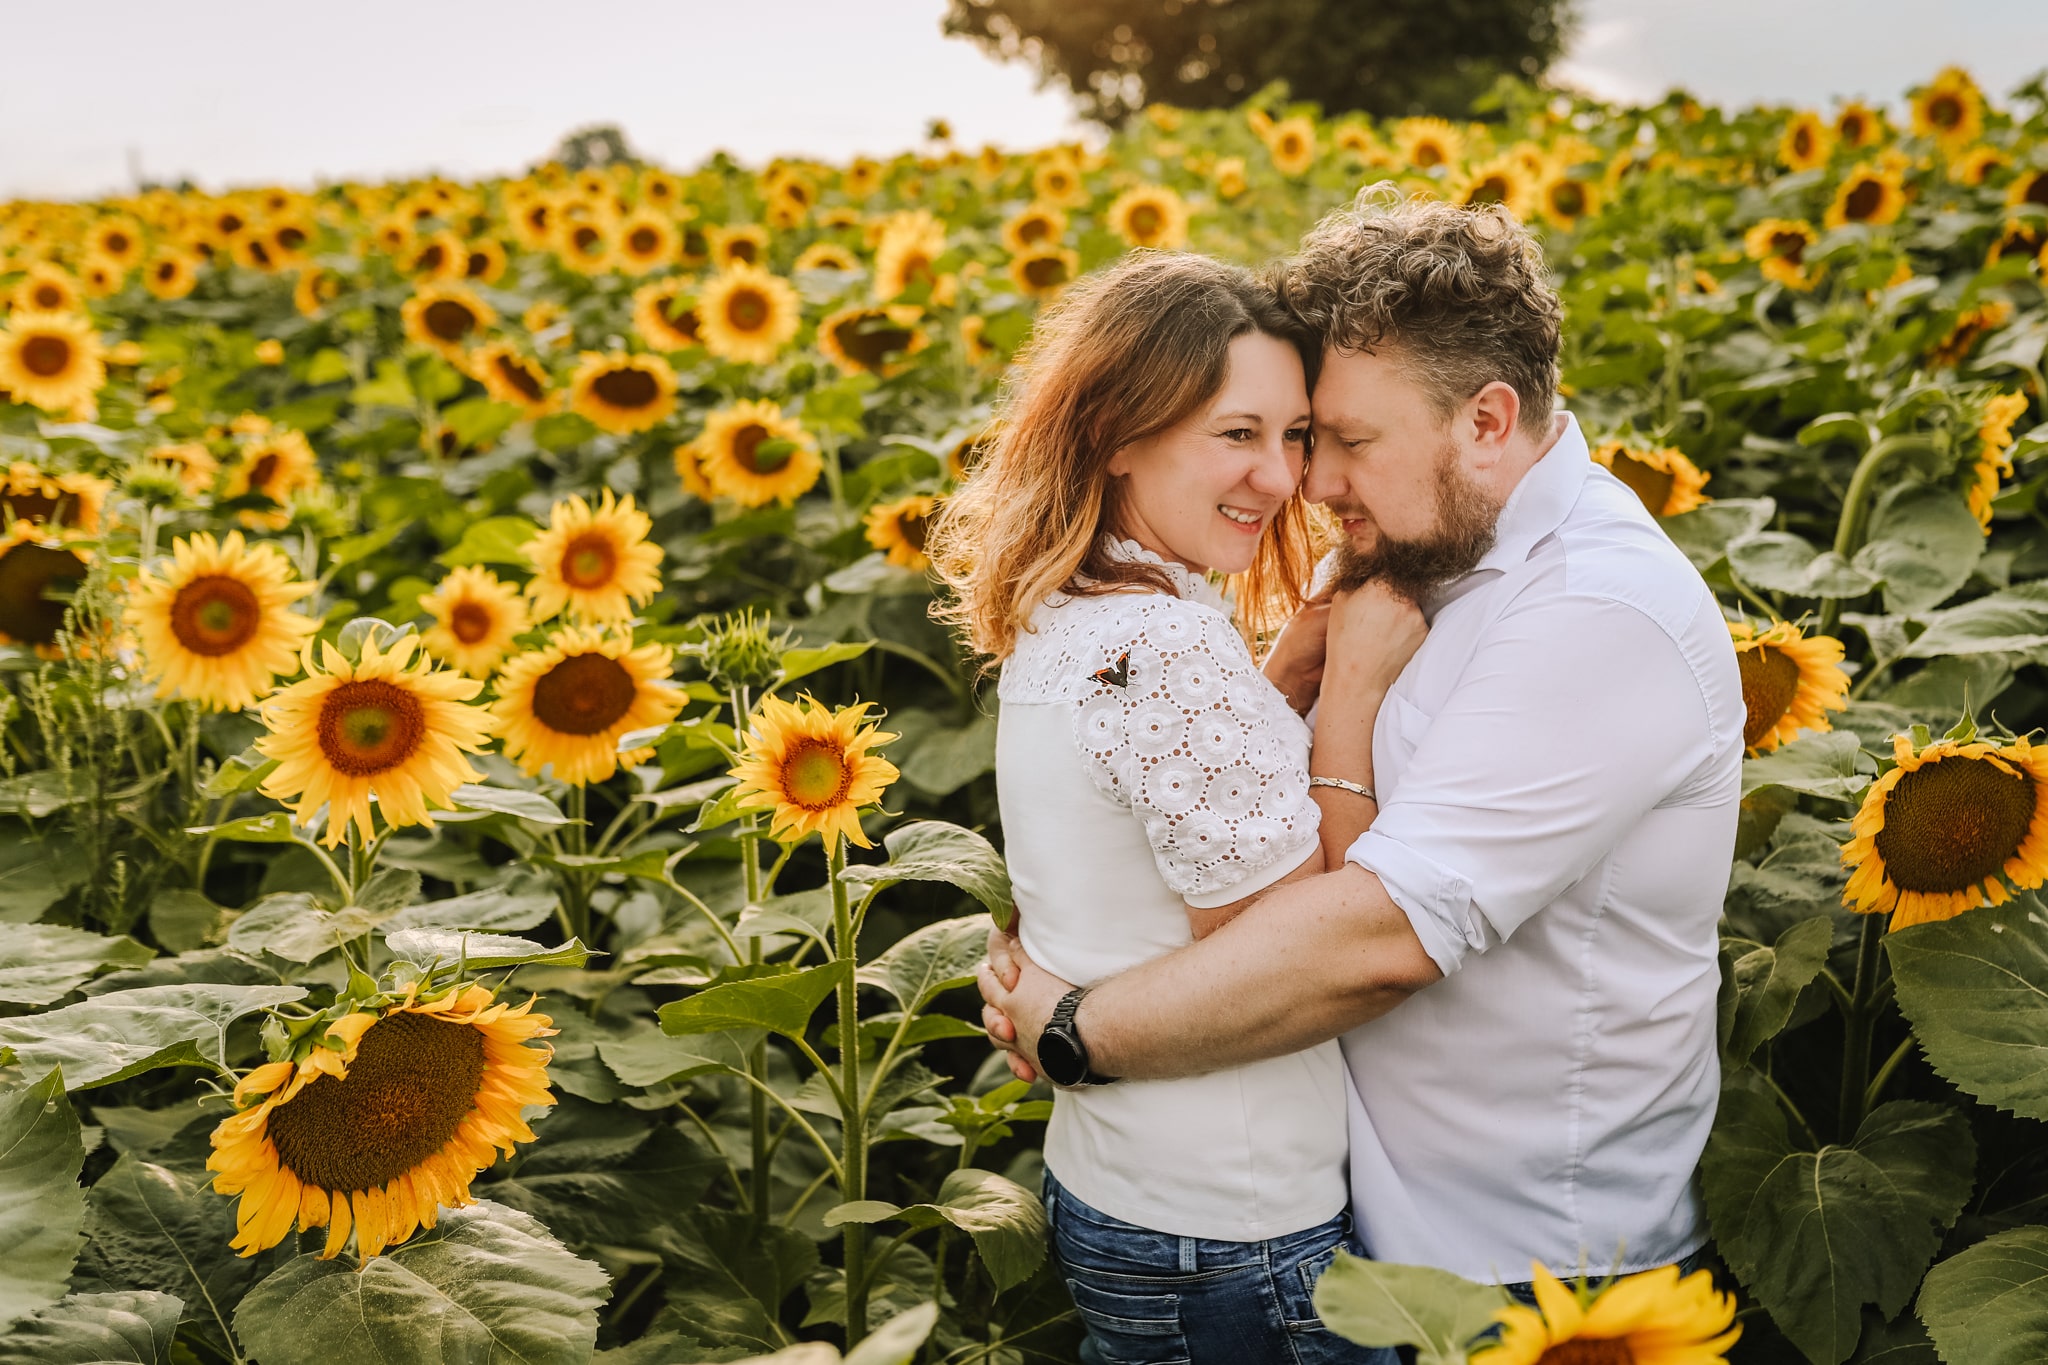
[1298, 436]
[1239, 434]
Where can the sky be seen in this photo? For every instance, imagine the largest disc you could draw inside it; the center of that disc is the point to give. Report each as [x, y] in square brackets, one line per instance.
[236, 92]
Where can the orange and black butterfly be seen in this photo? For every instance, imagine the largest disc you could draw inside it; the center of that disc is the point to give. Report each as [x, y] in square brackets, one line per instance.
[1118, 674]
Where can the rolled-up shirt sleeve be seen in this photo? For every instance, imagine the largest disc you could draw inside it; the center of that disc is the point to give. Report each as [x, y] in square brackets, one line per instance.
[1575, 717]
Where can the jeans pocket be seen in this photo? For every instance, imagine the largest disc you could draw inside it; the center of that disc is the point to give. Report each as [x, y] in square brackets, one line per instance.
[1131, 1321]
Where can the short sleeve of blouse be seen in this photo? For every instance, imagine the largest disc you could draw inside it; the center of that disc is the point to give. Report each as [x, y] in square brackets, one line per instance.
[1202, 749]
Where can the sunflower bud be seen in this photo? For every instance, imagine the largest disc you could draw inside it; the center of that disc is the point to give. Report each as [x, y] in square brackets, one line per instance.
[740, 650]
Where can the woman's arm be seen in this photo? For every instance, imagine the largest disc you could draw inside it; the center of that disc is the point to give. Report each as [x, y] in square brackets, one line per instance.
[1373, 632]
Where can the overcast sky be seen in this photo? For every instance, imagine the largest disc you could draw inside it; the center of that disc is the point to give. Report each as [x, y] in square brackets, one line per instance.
[252, 91]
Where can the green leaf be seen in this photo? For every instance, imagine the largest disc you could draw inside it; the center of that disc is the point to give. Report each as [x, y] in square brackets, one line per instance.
[896, 1341]
[1764, 984]
[35, 873]
[1434, 1311]
[503, 909]
[494, 540]
[1924, 543]
[487, 1284]
[1779, 561]
[482, 952]
[804, 661]
[125, 1033]
[1989, 1305]
[1975, 989]
[781, 1004]
[242, 773]
[274, 828]
[293, 926]
[1817, 1235]
[741, 1275]
[1705, 533]
[805, 913]
[1006, 1220]
[162, 1229]
[1830, 764]
[41, 1205]
[940, 759]
[597, 1176]
[930, 960]
[132, 1328]
[935, 851]
[42, 963]
[181, 919]
[40, 793]
[2008, 622]
[651, 1057]
[529, 806]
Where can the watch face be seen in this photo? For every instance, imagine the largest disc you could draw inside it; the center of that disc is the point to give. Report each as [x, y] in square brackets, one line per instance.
[1059, 1059]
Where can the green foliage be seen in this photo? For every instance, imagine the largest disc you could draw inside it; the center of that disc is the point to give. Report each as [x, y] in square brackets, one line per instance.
[41, 1206]
[1989, 1305]
[1433, 1311]
[1976, 991]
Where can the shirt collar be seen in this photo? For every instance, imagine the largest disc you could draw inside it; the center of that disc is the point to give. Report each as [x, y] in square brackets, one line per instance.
[1191, 586]
[1542, 500]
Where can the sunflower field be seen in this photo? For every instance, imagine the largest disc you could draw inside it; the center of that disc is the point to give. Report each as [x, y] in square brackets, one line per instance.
[492, 842]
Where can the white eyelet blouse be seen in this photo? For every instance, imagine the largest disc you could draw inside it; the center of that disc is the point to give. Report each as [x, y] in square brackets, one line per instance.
[1144, 765]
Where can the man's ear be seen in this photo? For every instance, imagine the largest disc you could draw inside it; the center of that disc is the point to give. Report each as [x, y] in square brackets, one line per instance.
[1493, 413]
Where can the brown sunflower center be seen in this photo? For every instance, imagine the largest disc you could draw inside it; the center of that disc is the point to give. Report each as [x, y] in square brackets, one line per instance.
[746, 310]
[1291, 146]
[470, 622]
[1789, 246]
[1492, 190]
[476, 265]
[1588, 1351]
[1568, 197]
[49, 297]
[911, 526]
[815, 775]
[626, 387]
[44, 355]
[1045, 271]
[27, 573]
[585, 694]
[291, 238]
[263, 471]
[514, 372]
[370, 726]
[1945, 112]
[1428, 154]
[587, 240]
[413, 1082]
[743, 250]
[1952, 823]
[41, 507]
[870, 338]
[1146, 220]
[680, 317]
[1034, 229]
[1851, 128]
[1646, 481]
[2037, 190]
[589, 561]
[1770, 680]
[166, 271]
[448, 319]
[1864, 200]
[746, 448]
[643, 241]
[1802, 141]
[215, 615]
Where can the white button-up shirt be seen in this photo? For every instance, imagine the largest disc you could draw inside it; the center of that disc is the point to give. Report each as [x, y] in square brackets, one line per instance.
[1559, 768]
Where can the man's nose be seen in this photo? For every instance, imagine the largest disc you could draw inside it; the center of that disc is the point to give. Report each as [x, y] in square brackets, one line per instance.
[1277, 473]
[1323, 483]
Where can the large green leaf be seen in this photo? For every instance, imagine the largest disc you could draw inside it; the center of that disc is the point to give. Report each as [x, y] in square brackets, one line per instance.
[803, 661]
[1989, 1305]
[603, 1174]
[487, 1286]
[125, 1033]
[473, 801]
[651, 1057]
[1817, 1235]
[42, 963]
[484, 952]
[2007, 622]
[498, 910]
[781, 1004]
[1006, 1221]
[740, 1275]
[1705, 532]
[131, 1328]
[1779, 561]
[35, 874]
[494, 540]
[41, 1205]
[1434, 1311]
[1924, 542]
[939, 759]
[1976, 991]
[292, 925]
[930, 960]
[1830, 764]
[1762, 985]
[935, 851]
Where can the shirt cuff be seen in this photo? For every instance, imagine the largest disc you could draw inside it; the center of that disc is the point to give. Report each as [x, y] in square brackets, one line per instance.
[1436, 900]
[1288, 857]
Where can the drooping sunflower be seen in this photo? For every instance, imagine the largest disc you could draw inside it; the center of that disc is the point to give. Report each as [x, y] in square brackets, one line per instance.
[446, 317]
[810, 765]
[750, 452]
[1790, 681]
[623, 393]
[34, 568]
[911, 242]
[1652, 1318]
[1292, 141]
[1859, 126]
[1970, 327]
[476, 618]
[1947, 828]
[1499, 180]
[1427, 142]
[384, 726]
[1993, 466]
[595, 562]
[1662, 476]
[1868, 194]
[47, 288]
[509, 376]
[690, 472]
[1044, 271]
[216, 625]
[377, 1136]
[665, 315]
[747, 314]
[1149, 215]
[51, 360]
[898, 530]
[1778, 246]
[737, 244]
[1807, 142]
[67, 505]
[566, 705]
[170, 273]
[1039, 225]
[2019, 237]
[868, 340]
[1949, 108]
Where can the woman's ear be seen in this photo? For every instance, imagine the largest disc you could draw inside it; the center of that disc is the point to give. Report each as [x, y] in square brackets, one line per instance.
[1120, 463]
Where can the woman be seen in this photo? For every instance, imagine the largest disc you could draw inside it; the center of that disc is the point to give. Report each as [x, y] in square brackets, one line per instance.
[1153, 781]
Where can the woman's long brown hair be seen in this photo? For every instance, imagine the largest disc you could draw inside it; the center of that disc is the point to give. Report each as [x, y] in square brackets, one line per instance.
[1124, 354]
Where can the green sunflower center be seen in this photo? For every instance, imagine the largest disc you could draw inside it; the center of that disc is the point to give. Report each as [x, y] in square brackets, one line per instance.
[215, 615]
[370, 726]
[45, 356]
[627, 387]
[28, 614]
[448, 319]
[1770, 680]
[1646, 481]
[589, 562]
[585, 694]
[413, 1082]
[1952, 823]
[1588, 1351]
[815, 775]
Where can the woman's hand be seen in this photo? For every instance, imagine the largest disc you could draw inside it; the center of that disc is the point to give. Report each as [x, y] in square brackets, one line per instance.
[1296, 664]
[1373, 632]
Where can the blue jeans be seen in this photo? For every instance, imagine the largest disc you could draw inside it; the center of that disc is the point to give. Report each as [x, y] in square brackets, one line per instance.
[1150, 1298]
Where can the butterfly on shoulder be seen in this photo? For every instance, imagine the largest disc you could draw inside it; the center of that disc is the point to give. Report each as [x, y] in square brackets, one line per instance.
[1117, 674]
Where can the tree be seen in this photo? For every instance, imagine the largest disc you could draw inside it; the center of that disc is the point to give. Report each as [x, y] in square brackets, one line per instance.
[1384, 56]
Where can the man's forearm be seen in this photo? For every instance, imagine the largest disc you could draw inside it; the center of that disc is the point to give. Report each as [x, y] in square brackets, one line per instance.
[1308, 961]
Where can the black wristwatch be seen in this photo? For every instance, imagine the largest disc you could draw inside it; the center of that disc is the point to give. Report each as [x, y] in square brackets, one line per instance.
[1062, 1056]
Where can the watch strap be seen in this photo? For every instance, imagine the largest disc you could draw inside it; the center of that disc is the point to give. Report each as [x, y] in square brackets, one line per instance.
[1063, 1019]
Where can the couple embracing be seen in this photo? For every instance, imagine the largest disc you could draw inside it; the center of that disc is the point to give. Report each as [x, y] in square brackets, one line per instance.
[1403, 941]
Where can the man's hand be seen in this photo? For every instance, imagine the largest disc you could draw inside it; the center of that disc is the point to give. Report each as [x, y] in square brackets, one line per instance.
[1018, 997]
[1296, 664]
[1371, 633]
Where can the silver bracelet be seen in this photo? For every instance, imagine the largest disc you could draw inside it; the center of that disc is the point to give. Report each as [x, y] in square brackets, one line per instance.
[1354, 788]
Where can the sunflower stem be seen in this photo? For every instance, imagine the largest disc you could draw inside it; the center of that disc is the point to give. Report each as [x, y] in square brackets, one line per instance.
[1855, 519]
[578, 899]
[1884, 1073]
[757, 1058]
[1857, 1026]
[853, 1125]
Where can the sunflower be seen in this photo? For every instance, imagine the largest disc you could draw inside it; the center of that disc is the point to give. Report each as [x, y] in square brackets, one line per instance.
[585, 242]
[861, 178]
[659, 189]
[1945, 829]
[979, 350]
[384, 1124]
[665, 315]
[483, 260]
[100, 277]
[1970, 327]
[1975, 165]
[2029, 187]
[968, 451]
[475, 620]
[533, 222]
[898, 530]
[871, 340]
[1039, 225]
[1790, 681]
[911, 242]
[1292, 141]
[1779, 246]
[826, 256]
[1654, 1318]
[811, 766]
[2020, 237]
[217, 627]
[1501, 180]
[510, 377]
[1807, 143]
[1949, 109]
[446, 318]
[1044, 271]
[32, 569]
[647, 240]
[1427, 142]
[1662, 476]
[1992, 465]
[595, 562]
[275, 466]
[1858, 125]
[1565, 199]
[51, 360]
[1056, 180]
[565, 706]
[317, 287]
[68, 505]
[754, 455]
[1149, 215]
[737, 244]
[690, 472]
[290, 238]
[383, 727]
[623, 393]
[170, 273]
[192, 461]
[541, 316]
[1867, 194]
[47, 288]
[747, 314]
[1230, 181]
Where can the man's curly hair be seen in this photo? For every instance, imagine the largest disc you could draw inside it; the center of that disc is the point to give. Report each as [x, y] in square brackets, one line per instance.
[1457, 293]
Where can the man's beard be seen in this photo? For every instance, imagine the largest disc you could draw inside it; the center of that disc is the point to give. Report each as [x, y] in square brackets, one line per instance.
[1463, 533]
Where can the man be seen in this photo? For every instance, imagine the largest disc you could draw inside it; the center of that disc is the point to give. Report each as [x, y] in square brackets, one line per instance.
[1519, 946]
